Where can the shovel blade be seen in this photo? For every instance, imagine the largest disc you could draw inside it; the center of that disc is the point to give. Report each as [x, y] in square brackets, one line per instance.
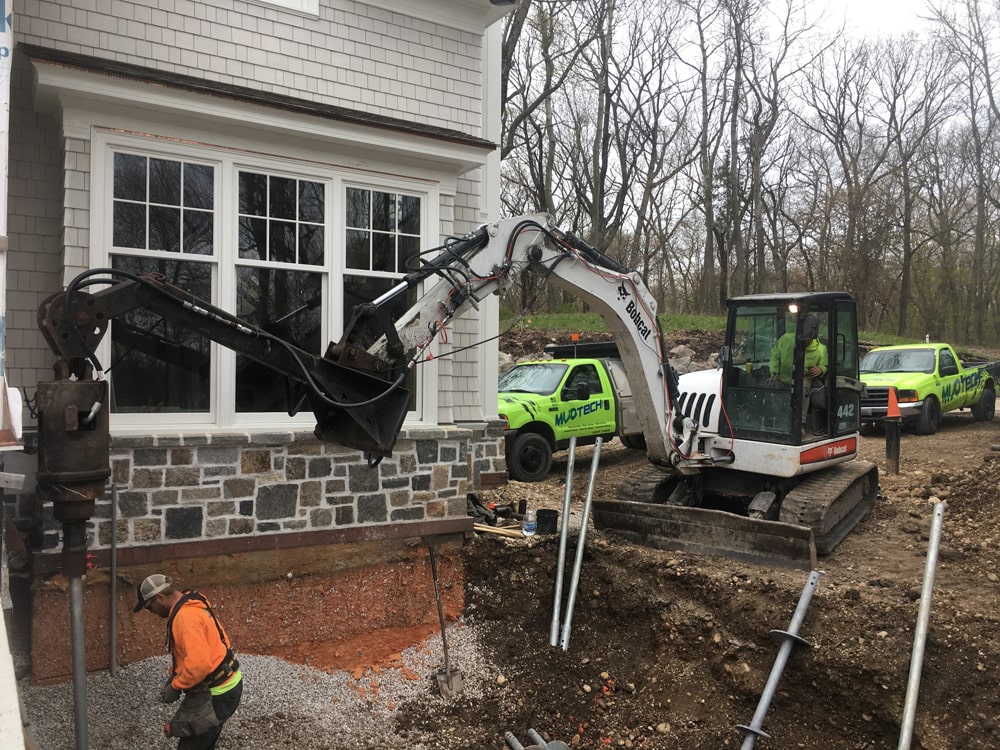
[450, 682]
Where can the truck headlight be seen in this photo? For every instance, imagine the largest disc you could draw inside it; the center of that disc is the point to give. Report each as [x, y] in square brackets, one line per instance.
[907, 396]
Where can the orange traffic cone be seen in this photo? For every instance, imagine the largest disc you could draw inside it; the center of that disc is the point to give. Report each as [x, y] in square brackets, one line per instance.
[893, 411]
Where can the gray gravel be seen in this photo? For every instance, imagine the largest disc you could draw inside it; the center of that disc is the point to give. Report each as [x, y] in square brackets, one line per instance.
[283, 704]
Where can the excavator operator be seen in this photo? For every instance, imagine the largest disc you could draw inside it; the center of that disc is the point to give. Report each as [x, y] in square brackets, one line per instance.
[814, 365]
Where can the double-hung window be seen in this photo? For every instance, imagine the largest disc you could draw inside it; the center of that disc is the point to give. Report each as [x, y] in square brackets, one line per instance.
[288, 250]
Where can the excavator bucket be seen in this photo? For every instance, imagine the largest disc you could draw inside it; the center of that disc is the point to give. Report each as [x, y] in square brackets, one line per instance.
[709, 532]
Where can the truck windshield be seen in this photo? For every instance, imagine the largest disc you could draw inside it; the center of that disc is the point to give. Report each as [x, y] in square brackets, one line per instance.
[899, 360]
[542, 378]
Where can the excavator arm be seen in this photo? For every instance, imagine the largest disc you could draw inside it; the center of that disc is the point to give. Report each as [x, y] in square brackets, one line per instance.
[355, 389]
[353, 406]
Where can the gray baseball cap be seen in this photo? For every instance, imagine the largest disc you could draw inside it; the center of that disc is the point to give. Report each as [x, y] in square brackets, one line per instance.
[150, 587]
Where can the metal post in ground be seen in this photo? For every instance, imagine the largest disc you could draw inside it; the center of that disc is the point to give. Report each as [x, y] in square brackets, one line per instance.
[563, 532]
[893, 425]
[789, 638]
[578, 563]
[920, 635]
[113, 585]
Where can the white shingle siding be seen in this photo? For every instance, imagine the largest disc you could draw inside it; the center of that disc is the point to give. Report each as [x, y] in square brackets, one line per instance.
[370, 49]
[35, 226]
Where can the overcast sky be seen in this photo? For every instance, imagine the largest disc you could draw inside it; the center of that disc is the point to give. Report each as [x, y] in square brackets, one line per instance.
[877, 16]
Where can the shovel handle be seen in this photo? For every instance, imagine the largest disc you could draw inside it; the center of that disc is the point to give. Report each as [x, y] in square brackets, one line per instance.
[437, 598]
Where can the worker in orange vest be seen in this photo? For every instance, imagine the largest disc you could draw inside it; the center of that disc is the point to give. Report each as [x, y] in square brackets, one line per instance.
[203, 665]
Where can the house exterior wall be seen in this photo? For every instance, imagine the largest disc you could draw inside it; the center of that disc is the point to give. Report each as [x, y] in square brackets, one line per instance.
[204, 486]
[357, 55]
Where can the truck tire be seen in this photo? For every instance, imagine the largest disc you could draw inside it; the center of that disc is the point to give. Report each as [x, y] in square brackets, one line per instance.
[930, 417]
[529, 458]
[636, 442]
[984, 410]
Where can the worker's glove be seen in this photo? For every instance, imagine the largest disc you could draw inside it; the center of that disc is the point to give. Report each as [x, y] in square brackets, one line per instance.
[774, 381]
[169, 694]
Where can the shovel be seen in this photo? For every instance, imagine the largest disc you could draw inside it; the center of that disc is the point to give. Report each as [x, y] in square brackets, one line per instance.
[449, 680]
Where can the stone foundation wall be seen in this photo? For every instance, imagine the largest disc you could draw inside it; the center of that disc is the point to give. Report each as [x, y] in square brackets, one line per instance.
[201, 487]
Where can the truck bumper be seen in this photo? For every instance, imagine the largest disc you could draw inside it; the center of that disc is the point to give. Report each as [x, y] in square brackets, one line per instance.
[907, 411]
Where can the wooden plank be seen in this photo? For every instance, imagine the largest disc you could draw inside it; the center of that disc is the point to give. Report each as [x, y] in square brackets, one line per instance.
[511, 533]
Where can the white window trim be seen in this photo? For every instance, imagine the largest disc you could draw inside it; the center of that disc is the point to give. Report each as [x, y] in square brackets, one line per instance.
[303, 7]
[222, 416]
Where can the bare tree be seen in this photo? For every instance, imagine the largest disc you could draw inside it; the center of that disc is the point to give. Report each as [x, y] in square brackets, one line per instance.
[915, 85]
[838, 97]
[971, 33]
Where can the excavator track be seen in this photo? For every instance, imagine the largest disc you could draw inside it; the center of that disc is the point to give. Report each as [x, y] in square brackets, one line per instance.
[832, 501]
[815, 516]
[647, 485]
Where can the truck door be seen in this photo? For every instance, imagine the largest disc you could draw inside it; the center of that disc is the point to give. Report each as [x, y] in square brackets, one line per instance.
[950, 384]
[586, 404]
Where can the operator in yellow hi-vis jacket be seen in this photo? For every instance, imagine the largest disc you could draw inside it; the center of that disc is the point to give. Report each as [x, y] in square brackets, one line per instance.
[814, 365]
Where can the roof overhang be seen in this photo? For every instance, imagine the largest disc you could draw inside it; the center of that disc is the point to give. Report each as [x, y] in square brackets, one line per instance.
[72, 81]
[468, 15]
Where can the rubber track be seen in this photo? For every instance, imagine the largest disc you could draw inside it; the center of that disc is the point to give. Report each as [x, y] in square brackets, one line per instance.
[832, 502]
[643, 485]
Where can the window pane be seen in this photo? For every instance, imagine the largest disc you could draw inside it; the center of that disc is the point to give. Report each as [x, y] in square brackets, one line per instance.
[311, 244]
[383, 252]
[383, 212]
[198, 232]
[357, 208]
[165, 182]
[253, 194]
[199, 189]
[358, 255]
[130, 225]
[130, 177]
[156, 366]
[311, 203]
[281, 247]
[409, 214]
[164, 228]
[253, 238]
[408, 249]
[286, 304]
[282, 198]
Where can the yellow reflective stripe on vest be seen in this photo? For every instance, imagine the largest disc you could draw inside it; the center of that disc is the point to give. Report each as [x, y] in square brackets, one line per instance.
[229, 684]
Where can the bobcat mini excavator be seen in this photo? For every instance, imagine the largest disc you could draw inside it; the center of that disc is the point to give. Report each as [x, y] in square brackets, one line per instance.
[732, 470]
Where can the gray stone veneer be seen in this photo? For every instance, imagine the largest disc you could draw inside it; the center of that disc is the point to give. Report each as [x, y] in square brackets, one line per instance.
[191, 487]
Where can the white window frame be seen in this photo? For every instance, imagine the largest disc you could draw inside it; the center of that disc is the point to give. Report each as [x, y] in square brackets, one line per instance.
[222, 414]
[305, 7]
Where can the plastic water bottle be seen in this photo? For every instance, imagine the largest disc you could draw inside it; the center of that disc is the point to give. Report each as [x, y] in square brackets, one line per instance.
[530, 524]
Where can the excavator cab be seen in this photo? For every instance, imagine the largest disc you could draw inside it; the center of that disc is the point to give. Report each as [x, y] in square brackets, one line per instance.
[768, 391]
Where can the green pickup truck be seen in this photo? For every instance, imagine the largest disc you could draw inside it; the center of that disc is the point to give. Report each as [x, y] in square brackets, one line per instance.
[929, 379]
[581, 391]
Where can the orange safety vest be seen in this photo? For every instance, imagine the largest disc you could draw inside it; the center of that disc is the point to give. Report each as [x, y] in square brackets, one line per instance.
[199, 646]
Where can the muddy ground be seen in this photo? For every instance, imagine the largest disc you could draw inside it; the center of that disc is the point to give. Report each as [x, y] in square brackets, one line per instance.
[671, 651]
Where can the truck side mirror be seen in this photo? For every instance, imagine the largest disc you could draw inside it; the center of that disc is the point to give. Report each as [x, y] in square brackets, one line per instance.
[580, 392]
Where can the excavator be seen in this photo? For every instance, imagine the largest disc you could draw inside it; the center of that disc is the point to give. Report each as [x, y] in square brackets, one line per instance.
[733, 470]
